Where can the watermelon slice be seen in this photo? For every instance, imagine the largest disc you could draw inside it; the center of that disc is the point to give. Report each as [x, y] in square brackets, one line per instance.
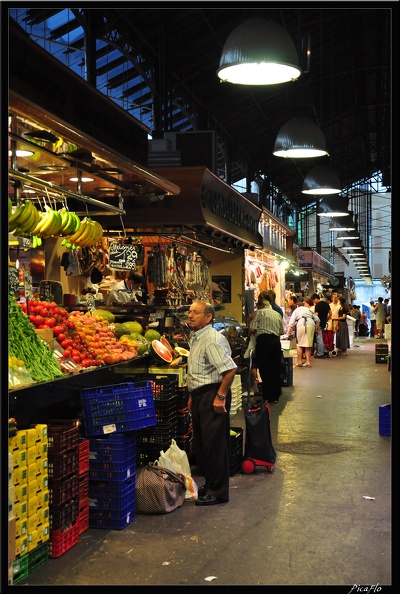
[160, 352]
[166, 344]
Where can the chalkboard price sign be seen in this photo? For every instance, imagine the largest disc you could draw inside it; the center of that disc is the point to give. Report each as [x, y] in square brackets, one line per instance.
[13, 281]
[123, 257]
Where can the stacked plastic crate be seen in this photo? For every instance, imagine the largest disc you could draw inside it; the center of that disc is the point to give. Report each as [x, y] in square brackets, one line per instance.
[28, 500]
[154, 439]
[236, 390]
[83, 485]
[112, 417]
[236, 453]
[63, 469]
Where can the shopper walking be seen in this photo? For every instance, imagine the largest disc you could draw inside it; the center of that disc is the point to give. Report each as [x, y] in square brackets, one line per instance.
[322, 310]
[372, 319]
[211, 371]
[363, 325]
[341, 327]
[379, 311]
[268, 327]
[334, 306]
[306, 322]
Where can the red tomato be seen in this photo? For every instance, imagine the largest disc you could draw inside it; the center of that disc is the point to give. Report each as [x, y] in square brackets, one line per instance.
[38, 320]
[76, 358]
[61, 337]
[71, 325]
[50, 322]
[24, 307]
[67, 352]
[58, 330]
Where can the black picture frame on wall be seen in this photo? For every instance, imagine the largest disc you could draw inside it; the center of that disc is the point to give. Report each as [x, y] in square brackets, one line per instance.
[222, 288]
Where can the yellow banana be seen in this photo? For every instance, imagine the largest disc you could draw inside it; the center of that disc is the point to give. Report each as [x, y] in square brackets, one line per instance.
[35, 218]
[48, 223]
[99, 231]
[64, 220]
[14, 219]
[75, 236]
[27, 216]
[85, 239]
[55, 230]
[41, 222]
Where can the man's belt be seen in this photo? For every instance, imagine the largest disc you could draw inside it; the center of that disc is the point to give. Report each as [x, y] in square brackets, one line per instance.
[204, 389]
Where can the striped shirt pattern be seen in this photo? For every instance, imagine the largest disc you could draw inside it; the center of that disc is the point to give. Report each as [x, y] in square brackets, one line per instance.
[267, 321]
[210, 356]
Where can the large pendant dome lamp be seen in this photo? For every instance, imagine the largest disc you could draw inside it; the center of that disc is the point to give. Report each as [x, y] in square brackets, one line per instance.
[342, 224]
[321, 180]
[354, 244]
[259, 52]
[300, 138]
[332, 206]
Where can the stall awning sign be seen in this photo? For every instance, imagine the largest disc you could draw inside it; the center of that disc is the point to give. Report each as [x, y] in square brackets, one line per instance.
[123, 257]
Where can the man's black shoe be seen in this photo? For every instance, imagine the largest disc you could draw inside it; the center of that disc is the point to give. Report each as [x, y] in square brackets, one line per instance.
[202, 491]
[210, 500]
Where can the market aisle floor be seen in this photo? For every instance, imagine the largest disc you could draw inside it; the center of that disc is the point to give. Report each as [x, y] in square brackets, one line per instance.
[322, 517]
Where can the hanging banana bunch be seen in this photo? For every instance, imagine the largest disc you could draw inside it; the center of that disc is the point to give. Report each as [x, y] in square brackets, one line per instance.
[89, 233]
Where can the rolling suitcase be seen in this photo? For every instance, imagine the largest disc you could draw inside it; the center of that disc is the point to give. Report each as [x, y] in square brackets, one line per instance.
[258, 449]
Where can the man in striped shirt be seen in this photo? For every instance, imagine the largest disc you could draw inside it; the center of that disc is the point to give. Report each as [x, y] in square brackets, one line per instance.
[211, 371]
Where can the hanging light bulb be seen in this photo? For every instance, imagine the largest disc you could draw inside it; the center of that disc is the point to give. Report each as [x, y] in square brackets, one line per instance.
[321, 180]
[300, 138]
[259, 52]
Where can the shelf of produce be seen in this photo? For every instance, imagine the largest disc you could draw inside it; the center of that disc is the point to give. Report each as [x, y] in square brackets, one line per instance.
[60, 398]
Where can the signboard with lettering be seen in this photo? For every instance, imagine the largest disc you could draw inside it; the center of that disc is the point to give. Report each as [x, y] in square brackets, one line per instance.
[123, 257]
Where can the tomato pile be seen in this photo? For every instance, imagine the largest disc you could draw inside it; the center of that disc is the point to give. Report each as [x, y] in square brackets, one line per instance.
[85, 338]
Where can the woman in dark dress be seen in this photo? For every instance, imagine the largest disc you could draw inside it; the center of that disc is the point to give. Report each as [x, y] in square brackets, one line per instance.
[341, 327]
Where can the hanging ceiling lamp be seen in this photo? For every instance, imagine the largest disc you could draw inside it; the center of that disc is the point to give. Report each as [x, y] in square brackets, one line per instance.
[300, 138]
[332, 206]
[343, 224]
[321, 180]
[354, 244]
[259, 52]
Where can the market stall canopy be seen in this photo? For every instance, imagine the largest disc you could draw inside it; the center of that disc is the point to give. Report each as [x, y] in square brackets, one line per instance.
[207, 210]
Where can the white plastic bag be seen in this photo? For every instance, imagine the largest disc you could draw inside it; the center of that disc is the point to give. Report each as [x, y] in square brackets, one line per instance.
[177, 460]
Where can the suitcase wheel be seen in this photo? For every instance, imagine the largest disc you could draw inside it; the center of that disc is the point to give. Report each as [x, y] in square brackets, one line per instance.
[333, 354]
[248, 466]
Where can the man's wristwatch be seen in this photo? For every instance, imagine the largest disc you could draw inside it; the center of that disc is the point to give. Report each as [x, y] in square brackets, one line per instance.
[221, 396]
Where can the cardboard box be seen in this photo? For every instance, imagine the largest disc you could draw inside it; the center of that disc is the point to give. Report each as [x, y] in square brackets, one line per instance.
[46, 334]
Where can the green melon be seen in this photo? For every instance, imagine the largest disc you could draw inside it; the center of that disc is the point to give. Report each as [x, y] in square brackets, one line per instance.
[134, 327]
[143, 348]
[160, 353]
[105, 314]
[121, 330]
[137, 336]
[151, 335]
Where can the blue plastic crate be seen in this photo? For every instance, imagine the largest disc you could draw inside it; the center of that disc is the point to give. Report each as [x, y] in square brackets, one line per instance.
[101, 470]
[113, 505]
[115, 447]
[118, 408]
[112, 519]
[384, 419]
